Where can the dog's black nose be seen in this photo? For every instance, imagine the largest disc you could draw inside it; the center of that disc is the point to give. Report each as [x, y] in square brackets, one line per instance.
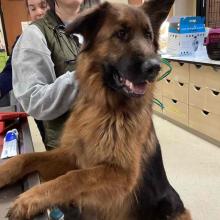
[150, 68]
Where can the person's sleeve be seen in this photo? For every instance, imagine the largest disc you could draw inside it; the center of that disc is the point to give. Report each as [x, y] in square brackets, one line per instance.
[6, 75]
[35, 85]
[6, 79]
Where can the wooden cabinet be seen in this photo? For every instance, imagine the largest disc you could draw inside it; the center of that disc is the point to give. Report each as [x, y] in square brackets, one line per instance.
[176, 110]
[205, 122]
[14, 11]
[174, 93]
[204, 98]
[180, 72]
[205, 76]
[191, 97]
[176, 90]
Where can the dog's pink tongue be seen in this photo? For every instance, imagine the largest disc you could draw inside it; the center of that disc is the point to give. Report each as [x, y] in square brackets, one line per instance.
[138, 89]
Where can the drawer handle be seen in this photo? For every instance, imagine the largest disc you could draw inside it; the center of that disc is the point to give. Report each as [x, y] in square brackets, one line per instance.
[197, 88]
[174, 101]
[181, 84]
[181, 64]
[205, 112]
[215, 93]
[168, 80]
[198, 66]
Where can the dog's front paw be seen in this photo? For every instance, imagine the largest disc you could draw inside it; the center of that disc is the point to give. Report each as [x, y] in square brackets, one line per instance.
[25, 207]
[17, 212]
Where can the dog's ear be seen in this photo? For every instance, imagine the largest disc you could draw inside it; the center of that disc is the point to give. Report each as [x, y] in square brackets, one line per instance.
[88, 23]
[157, 10]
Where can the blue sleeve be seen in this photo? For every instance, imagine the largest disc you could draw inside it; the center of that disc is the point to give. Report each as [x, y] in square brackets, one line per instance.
[6, 76]
[6, 79]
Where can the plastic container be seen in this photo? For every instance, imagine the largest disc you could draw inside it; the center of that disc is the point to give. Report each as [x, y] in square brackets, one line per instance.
[10, 144]
[56, 214]
[212, 43]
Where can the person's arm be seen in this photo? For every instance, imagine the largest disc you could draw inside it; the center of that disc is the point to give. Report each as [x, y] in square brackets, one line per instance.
[6, 76]
[6, 79]
[35, 85]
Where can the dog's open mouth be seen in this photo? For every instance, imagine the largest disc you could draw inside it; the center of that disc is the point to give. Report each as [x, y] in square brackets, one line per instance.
[128, 87]
[118, 81]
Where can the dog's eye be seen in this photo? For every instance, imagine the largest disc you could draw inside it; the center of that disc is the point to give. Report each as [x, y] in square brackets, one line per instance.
[148, 35]
[122, 34]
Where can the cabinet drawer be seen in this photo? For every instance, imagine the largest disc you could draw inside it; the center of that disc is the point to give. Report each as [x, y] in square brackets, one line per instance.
[176, 90]
[158, 89]
[180, 72]
[213, 101]
[197, 95]
[176, 110]
[205, 76]
[198, 75]
[204, 122]
[204, 98]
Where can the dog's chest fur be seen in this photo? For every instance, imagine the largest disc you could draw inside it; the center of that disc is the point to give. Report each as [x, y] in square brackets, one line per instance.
[117, 137]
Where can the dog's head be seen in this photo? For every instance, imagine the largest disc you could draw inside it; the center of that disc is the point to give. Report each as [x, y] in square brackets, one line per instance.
[121, 42]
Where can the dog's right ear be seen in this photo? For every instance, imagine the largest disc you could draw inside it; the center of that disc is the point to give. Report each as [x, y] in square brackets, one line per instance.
[88, 23]
[157, 10]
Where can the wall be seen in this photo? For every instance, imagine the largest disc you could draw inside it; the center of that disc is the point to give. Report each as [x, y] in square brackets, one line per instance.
[185, 7]
[14, 12]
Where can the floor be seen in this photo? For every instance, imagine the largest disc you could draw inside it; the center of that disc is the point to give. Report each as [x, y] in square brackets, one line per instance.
[192, 166]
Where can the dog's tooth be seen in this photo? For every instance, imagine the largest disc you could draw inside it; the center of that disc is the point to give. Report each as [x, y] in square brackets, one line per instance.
[127, 82]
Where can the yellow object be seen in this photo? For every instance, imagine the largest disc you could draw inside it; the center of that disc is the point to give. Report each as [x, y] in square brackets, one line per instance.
[3, 59]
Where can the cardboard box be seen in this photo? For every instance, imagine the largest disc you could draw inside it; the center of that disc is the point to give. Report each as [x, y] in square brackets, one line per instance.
[186, 35]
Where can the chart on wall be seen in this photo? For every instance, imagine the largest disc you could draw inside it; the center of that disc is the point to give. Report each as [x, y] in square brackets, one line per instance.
[2, 40]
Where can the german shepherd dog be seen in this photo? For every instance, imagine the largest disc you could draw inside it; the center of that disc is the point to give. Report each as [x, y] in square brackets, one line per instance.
[109, 161]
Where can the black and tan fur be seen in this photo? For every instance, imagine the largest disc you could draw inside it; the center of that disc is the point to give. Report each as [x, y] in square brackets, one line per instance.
[109, 161]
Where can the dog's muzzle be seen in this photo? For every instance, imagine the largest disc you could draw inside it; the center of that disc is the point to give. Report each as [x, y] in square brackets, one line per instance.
[131, 81]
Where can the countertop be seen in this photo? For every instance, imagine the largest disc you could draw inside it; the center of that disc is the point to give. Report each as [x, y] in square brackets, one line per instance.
[8, 194]
[200, 60]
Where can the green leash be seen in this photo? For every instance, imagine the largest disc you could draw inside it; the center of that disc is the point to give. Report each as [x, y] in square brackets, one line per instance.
[166, 62]
[168, 71]
[158, 102]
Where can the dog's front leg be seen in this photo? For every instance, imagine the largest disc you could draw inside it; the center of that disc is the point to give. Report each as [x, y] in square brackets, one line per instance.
[49, 165]
[74, 186]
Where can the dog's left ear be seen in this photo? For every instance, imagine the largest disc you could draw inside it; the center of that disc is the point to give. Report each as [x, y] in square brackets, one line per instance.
[88, 23]
[157, 10]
